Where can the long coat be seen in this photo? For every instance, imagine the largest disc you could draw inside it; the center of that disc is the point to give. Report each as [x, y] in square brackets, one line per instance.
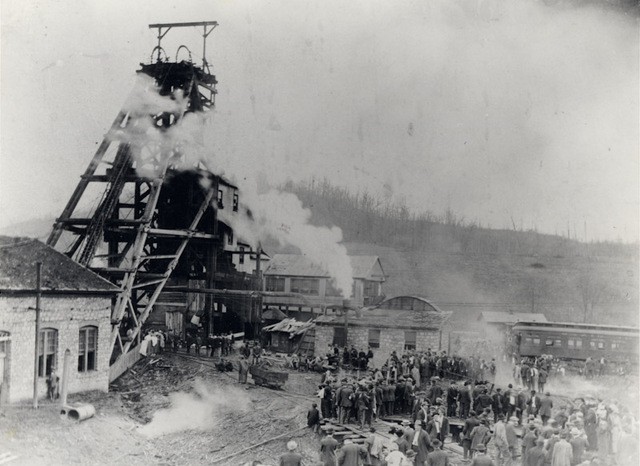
[351, 455]
[423, 447]
[328, 447]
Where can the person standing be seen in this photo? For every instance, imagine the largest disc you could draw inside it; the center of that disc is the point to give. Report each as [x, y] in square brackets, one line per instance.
[469, 424]
[480, 435]
[351, 454]
[512, 437]
[536, 456]
[464, 397]
[313, 418]
[497, 404]
[545, 408]
[291, 458]
[452, 400]
[243, 370]
[437, 457]
[421, 443]
[562, 452]
[501, 442]
[328, 447]
[481, 458]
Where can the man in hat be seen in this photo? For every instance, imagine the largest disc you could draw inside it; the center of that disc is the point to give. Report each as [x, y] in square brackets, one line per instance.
[437, 457]
[452, 399]
[510, 401]
[351, 454]
[562, 452]
[501, 441]
[421, 443]
[469, 424]
[512, 437]
[533, 404]
[438, 426]
[328, 447]
[291, 458]
[313, 418]
[497, 404]
[528, 441]
[345, 401]
[464, 397]
[480, 435]
[401, 442]
[546, 404]
[481, 458]
[536, 455]
[407, 431]
[243, 370]
[578, 444]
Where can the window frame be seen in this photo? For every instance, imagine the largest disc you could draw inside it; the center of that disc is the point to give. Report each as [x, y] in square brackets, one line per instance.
[304, 286]
[407, 342]
[375, 341]
[45, 365]
[84, 363]
[220, 199]
[236, 202]
[270, 280]
[241, 255]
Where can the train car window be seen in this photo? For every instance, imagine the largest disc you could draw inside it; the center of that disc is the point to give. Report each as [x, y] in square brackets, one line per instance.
[600, 345]
[558, 343]
[614, 346]
[548, 342]
[527, 340]
[570, 343]
[578, 343]
[593, 344]
[536, 341]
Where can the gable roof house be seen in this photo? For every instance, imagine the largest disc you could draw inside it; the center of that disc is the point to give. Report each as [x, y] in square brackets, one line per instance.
[75, 314]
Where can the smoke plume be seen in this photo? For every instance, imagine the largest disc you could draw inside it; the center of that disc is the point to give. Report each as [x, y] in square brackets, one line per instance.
[184, 147]
[200, 410]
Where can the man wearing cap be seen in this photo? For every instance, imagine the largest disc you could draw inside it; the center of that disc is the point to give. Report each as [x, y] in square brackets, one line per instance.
[510, 401]
[501, 441]
[351, 454]
[533, 403]
[536, 455]
[546, 404]
[452, 400]
[437, 457]
[512, 437]
[578, 444]
[481, 458]
[438, 426]
[497, 404]
[345, 402]
[562, 452]
[465, 401]
[528, 441]
[469, 424]
[291, 458]
[401, 442]
[480, 435]
[408, 431]
[328, 447]
[421, 443]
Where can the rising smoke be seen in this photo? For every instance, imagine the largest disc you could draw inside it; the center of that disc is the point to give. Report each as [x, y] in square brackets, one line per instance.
[183, 145]
[200, 410]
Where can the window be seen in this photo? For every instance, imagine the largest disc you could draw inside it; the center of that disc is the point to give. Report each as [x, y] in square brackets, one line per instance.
[331, 290]
[220, 199]
[230, 237]
[558, 343]
[592, 344]
[235, 202]
[88, 343]
[570, 343]
[340, 336]
[548, 342]
[536, 341]
[241, 259]
[410, 337]
[308, 286]
[374, 338]
[275, 284]
[600, 345]
[578, 343]
[527, 340]
[47, 350]
[615, 346]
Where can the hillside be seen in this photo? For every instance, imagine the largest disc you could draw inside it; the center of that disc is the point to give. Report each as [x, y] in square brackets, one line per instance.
[467, 269]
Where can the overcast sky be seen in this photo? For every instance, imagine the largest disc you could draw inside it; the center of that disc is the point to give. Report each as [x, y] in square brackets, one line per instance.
[499, 110]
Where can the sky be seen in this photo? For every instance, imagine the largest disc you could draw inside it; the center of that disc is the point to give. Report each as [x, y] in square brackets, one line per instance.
[506, 112]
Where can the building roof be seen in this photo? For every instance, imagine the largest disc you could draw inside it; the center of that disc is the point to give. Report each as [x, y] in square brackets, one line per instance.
[298, 265]
[386, 318]
[273, 314]
[501, 317]
[290, 326]
[408, 303]
[18, 258]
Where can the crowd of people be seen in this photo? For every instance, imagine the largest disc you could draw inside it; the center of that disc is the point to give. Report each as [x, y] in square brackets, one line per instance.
[430, 388]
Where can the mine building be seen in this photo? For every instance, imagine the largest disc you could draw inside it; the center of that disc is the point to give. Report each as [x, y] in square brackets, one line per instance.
[75, 314]
[400, 324]
[312, 285]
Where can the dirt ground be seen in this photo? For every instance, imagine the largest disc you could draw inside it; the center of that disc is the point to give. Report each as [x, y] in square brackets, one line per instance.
[211, 418]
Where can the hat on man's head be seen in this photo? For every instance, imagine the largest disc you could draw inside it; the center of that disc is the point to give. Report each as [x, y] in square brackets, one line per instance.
[406, 423]
[436, 443]
[292, 445]
[481, 447]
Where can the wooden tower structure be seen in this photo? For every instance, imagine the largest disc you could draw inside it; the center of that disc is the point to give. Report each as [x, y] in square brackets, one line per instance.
[151, 220]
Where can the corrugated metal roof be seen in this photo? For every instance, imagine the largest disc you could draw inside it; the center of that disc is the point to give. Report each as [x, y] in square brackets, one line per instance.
[290, 326]
[500, 317]
[273, 314]
[18, 257]
[298, 265]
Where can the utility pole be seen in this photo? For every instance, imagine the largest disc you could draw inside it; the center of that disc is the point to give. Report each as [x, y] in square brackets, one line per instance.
[260, 289]
[37, 349]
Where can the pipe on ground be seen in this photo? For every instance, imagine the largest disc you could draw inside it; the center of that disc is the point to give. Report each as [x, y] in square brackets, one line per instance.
[78, 413]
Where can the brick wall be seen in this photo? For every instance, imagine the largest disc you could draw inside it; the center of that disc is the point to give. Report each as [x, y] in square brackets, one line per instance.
[67, 315]
[390, 340]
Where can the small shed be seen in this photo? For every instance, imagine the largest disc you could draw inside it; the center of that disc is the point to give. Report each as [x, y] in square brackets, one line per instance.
[288, 335]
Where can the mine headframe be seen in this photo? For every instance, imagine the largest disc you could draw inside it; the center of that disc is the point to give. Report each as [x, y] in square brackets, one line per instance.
[126, 219]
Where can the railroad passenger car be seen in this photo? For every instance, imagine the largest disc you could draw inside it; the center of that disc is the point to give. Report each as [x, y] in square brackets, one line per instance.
[568, 340]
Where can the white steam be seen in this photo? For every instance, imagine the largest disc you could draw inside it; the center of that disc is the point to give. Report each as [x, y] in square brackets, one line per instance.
[183, 145]
[201, 410]
[283, 217]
